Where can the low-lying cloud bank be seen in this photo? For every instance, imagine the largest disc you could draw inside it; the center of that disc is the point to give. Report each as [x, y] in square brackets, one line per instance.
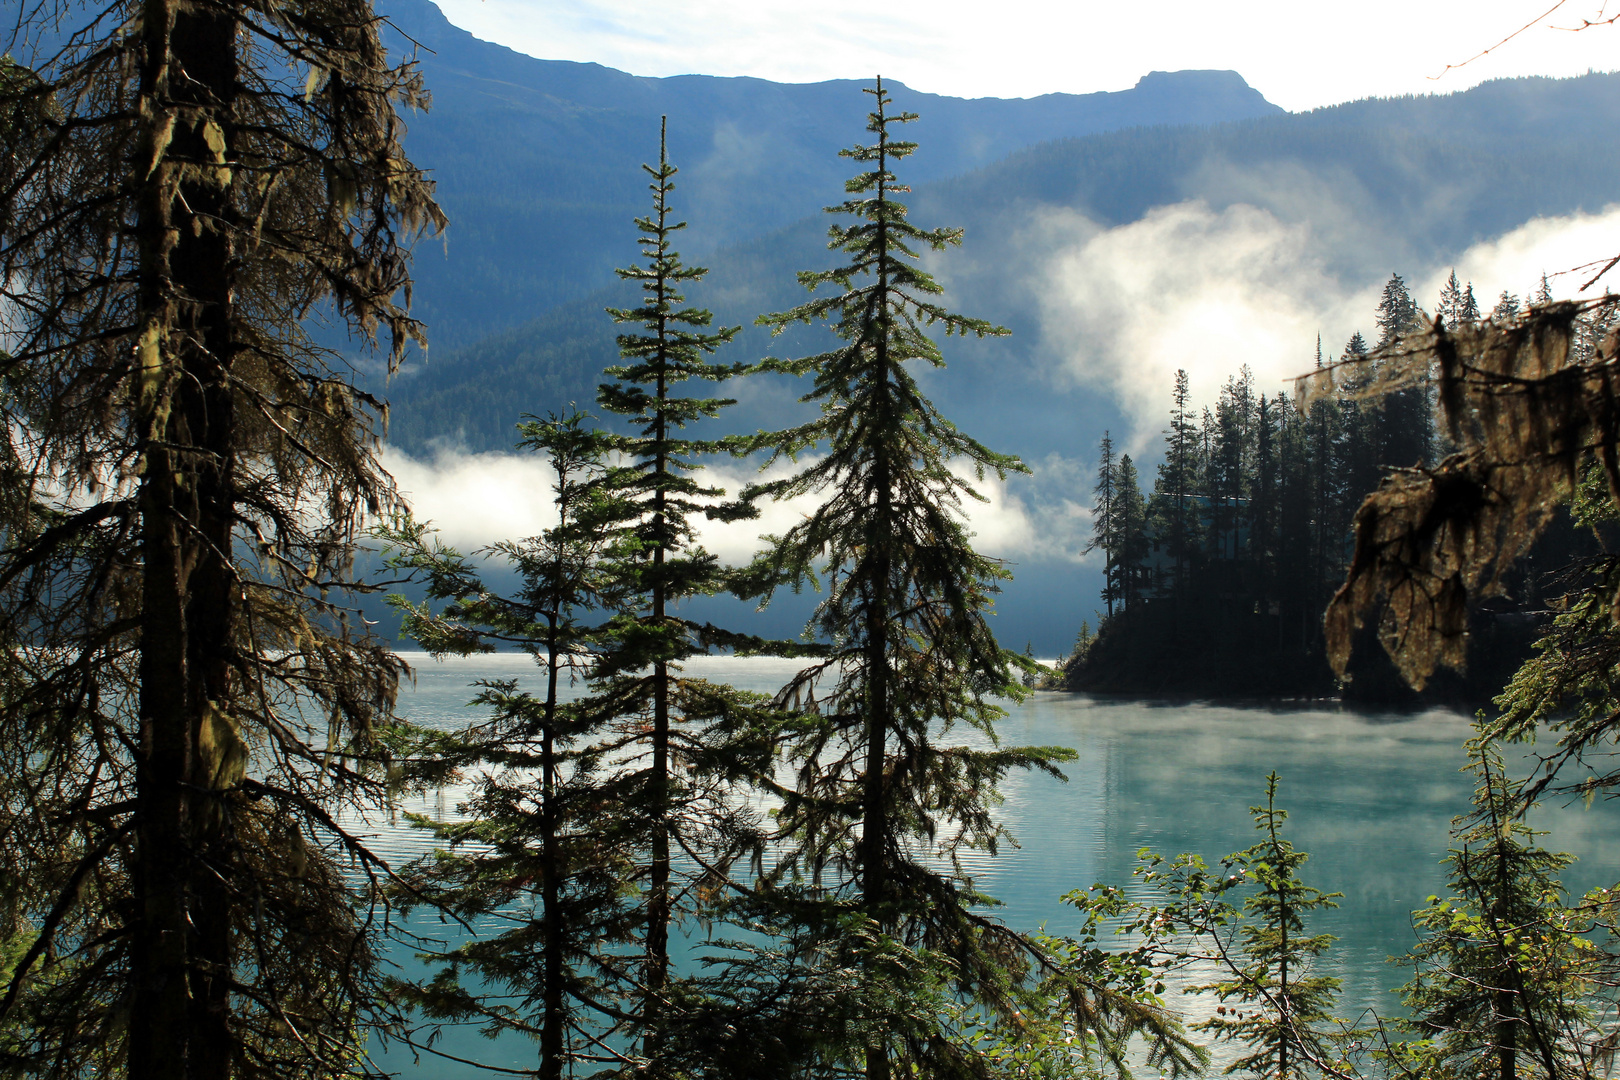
[1189, 286]
[475, 499]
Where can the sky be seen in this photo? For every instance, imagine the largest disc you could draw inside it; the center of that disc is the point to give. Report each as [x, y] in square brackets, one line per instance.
[1299, 55]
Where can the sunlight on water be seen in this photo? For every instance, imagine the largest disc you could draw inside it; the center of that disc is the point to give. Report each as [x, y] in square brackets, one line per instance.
[1370, 796]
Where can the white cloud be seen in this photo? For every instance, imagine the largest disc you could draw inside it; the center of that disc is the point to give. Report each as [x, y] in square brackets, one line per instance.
[1188, 287]
[1562, 247]
[1191, 287]
[474, 500]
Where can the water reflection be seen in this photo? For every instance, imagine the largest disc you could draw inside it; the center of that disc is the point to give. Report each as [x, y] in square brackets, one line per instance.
[1370, 796]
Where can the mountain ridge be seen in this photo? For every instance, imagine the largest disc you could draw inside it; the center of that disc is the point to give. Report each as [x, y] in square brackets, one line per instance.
[538, 161]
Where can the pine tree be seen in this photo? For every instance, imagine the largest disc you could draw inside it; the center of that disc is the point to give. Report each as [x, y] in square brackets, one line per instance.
[1175, 508]
[1501, 974]
[186, 471]
[1131, 512]
[911, 653]
[534, 846]
[1507, 306]
[1104, 523]
[686, 737]
[1283, 1007]
[1405, 419]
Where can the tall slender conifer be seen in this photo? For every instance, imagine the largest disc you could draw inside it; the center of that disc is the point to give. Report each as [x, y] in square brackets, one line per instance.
[1104, 521]
[534, 847]
[883, 807]
[684, 739]
[188, 182]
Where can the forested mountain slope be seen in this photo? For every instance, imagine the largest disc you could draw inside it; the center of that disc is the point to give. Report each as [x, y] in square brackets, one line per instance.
[1377, 186]
[537, 161]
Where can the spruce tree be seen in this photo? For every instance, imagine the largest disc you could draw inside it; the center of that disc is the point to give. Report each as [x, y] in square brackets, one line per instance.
[882, 806]
[1300, 536]
[1231, 461]
[1283, 1007]
[1468, 311]
[186, 471]
[1404, 419]
[1263, 505]
[1131, 512]
[1175, 507]
[1352, 465]
[686, 738]
[1449, 308]
[1501, 973]
[1104, 523]
[537, 847]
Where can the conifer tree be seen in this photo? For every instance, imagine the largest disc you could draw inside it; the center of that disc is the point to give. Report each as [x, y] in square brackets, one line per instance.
[1405, 419]
[883, 806]
[1449, 308]
[687, 736]
[1507, 306]
[1175, 508]
[1351, 464]
[1501, 975]
[1104, 523]
[1231, 460]
[1271, 1001]
[1468, 311]
[1284, 1005]
[1263, 507]
[1300, 535]
[1131, 513]
[534, 845]
[186, 471]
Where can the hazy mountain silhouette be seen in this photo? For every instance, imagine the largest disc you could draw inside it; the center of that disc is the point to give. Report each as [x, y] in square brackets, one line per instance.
[538, 161]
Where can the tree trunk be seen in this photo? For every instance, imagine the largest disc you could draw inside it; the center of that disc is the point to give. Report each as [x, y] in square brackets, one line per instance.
[190, 750]
[658, 900]
[874, 796]
[553, 1043]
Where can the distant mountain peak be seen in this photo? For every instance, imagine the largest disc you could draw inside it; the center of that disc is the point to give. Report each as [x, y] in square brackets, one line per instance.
[538, 162]
[1204, 77]
[1210, 96]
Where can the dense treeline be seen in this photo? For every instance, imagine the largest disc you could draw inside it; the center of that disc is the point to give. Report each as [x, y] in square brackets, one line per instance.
[1228, 561]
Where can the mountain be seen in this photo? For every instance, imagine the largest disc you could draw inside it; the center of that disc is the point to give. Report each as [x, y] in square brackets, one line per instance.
[1378, 185]
[538, 161]
[1184, 223]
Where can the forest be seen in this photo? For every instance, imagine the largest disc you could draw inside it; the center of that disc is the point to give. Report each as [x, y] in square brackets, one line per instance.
[1227, 562]
[662, 876]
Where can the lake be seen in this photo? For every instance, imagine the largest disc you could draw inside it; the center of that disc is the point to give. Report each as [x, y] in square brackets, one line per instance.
[1370, 796]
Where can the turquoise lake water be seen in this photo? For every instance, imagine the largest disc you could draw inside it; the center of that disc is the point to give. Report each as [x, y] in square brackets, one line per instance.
[1370, 796]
